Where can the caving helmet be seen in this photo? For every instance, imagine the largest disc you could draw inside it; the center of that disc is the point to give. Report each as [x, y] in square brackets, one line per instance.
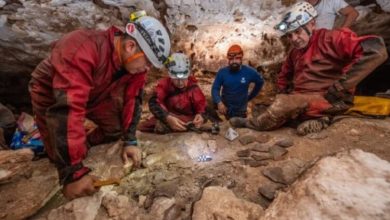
[151, 36]
[298, 15]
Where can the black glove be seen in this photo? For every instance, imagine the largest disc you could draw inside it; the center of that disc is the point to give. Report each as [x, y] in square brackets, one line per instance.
[337, 93]
[340, 99]
[337, 108]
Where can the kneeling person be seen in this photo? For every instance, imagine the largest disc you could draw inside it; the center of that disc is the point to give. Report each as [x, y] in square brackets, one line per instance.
[97, 75]
[178, 101]
[318, 79]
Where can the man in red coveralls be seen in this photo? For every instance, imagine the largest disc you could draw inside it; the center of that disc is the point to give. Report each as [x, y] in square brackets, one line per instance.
[177, 100]
[97, 75]
[320, 73]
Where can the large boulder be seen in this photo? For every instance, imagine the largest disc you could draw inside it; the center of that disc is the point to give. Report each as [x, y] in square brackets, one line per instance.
[25, 185]
[350, 185]
[221, 203]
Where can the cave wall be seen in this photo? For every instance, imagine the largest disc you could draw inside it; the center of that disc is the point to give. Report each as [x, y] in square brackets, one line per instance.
[203, 29]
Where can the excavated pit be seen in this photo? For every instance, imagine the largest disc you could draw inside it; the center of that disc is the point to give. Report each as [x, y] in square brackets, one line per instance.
[255, 168]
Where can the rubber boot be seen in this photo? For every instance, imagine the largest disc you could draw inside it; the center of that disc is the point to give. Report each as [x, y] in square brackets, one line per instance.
[266, 122]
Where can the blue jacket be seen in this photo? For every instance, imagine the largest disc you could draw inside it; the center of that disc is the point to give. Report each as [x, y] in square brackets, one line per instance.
[235, 88]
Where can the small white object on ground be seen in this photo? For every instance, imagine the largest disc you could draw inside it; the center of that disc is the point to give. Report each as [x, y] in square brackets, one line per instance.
[231, 134]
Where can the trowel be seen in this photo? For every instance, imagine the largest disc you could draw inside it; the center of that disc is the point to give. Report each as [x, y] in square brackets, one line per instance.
[106, 182]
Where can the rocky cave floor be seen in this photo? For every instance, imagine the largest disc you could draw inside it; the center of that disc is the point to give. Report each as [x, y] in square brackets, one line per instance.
[255, 166]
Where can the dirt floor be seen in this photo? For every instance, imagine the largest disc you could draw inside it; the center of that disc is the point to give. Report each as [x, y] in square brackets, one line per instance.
[170, 167]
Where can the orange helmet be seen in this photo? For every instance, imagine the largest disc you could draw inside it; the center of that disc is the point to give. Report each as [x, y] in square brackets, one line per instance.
[235, 51]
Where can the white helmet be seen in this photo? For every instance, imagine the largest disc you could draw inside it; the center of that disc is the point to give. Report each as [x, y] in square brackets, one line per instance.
[298, 15]
[178, 66]
[151, 36]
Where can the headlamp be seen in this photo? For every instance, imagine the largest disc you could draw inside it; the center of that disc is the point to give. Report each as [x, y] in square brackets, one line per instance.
[180, 75]
[282, 26]
[135, 15]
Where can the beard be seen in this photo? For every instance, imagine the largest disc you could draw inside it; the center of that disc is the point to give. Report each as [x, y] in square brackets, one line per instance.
[235, 67]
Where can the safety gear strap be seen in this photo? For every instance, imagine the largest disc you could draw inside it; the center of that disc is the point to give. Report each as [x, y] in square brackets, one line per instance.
[118, 47]
[134, 57]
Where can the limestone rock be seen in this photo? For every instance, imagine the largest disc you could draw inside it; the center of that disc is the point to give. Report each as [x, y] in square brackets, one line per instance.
[263, 138]
[160, 206]
[28, 194]
[174, 212]
[141, 200]
[15, 164]
[317, 136]
[286, 172]
[268, 190]
[243, 153]
[285, 142]
[261, 148]
[256, 163]
[247, 139]
[350, 185]
[261, 156]
[212, 145]
[105, 204]
[277, 152]
[263, 201]
[85, 208]
[164, 190]
[15, 156]
[221, 203]
[118, 206]
[24, 196]
[246, 161]
[11, 172]
[385, 5]
[112, 166]
[152, 160]
[231, 184]
[354, 132]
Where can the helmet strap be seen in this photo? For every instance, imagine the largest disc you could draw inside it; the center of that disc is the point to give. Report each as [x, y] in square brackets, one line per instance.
[134, 57]
[118, 47]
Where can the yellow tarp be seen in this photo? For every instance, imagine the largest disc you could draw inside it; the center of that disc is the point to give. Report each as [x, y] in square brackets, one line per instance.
[369, 105]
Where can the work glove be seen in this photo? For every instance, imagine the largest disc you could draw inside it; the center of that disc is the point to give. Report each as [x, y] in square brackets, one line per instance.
[337, 93]
[340, 99]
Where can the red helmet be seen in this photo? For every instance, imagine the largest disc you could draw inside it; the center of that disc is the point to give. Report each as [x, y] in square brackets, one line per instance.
[235, 51]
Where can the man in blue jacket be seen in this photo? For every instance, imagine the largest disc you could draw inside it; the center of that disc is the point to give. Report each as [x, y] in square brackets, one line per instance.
[234, 80]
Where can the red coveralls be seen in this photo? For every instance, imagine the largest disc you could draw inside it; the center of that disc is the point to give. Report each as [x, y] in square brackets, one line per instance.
[168, 99]
[82, 78]
[331, 56]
